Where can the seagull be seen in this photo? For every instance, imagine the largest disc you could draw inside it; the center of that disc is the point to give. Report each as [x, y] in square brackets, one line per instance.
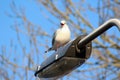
[60, 37]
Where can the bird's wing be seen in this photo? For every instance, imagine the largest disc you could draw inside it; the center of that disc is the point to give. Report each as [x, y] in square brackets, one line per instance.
[53, 39]
[54, 36]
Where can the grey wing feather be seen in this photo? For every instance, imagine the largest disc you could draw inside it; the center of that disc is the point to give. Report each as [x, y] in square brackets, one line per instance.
[53, 40]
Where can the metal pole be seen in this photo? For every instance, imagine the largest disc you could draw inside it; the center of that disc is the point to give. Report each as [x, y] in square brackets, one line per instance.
[108, 24]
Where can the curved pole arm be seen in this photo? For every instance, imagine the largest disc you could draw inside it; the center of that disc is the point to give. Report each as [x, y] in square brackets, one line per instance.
[108, 24]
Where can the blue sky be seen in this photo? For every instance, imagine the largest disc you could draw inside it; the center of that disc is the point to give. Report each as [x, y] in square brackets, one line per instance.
[7, 34]
[5, 23]
[32, 13]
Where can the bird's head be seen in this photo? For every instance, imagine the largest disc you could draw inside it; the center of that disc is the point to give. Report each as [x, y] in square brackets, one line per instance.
[62, 23]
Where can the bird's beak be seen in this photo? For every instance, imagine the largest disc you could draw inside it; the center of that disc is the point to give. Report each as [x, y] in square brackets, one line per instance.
[61, 24]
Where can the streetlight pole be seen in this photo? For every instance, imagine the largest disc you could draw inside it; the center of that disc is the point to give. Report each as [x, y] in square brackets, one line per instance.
[108, 24]
[73, 54]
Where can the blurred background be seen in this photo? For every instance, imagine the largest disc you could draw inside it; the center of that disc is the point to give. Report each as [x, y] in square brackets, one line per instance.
[27, 26]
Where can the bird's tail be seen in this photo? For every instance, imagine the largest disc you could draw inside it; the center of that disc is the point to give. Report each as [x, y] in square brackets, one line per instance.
[49, 50]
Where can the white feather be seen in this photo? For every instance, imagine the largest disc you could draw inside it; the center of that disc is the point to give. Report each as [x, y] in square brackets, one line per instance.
[60, 37]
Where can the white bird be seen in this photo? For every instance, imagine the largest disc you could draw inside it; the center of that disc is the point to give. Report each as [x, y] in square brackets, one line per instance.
[60, 37]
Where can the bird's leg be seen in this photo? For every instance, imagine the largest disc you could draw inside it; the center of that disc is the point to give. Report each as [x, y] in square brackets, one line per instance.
[57, 46]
